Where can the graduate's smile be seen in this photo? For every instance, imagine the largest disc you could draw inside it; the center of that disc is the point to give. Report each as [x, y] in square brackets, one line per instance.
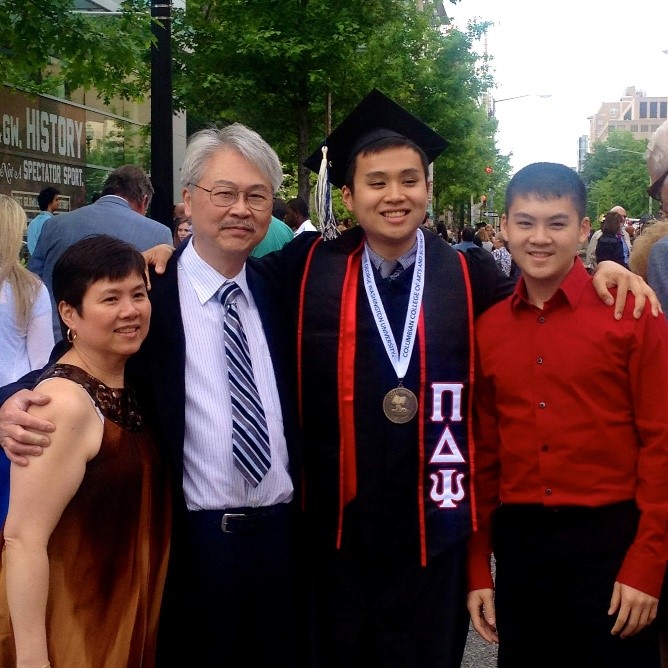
[389, 198]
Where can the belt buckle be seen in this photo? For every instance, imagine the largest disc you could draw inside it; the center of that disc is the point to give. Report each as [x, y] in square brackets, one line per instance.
[230, 516]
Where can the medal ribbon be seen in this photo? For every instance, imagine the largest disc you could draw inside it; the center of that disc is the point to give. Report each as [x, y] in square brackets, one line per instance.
[399, 357]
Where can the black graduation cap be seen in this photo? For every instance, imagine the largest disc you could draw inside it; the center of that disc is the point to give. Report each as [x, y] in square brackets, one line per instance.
[375, 117]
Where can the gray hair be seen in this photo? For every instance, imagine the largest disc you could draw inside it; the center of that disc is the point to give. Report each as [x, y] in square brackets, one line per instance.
[236, 137]
[657, 152]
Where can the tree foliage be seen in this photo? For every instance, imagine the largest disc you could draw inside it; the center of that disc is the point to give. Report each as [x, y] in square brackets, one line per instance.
[276, 66]
[616, 177]
[44, 46]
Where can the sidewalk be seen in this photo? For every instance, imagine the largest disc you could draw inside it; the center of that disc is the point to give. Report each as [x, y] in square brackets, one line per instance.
[478, 653]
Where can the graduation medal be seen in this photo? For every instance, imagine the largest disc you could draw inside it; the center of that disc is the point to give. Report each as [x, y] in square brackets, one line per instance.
[400, 405]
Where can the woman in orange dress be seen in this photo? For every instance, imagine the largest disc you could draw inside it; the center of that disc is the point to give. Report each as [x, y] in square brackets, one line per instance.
[87, 534]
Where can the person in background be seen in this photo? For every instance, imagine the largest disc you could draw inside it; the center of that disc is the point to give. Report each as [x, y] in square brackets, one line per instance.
[590, 257]
[657, 166]
[120, 212]
[610, 245]
[297, 216]
[344, 225]
[26, 337]
[468, 235]
[181, 225]
[279, 208]
[652, 231]
[501, 255]
[48, 201]
[278, 234]
[87, 534]
[485, 239]
[181, 233]
[25, 309]
[572, 503]
[428, 223]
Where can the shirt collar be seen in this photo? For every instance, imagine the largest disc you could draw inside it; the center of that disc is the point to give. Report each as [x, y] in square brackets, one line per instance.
[569, 292]
[205, 280]
[406, 260]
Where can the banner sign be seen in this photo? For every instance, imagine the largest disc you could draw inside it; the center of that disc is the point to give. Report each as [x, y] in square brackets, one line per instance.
[42, 143]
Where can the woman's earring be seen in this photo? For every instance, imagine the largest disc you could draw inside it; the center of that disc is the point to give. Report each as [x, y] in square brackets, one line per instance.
[71, 335]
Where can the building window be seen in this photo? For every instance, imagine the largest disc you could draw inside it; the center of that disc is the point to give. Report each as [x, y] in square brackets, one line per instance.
[634, 128]
[653, 109]
[643, 110]
[663, 109]
[644, 128]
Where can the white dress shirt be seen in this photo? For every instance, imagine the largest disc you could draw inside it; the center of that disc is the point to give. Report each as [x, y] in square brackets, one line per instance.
[211, 481]
[306, 226]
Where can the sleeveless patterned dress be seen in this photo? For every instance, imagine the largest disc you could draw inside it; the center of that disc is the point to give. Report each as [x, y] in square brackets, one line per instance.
[108, 553]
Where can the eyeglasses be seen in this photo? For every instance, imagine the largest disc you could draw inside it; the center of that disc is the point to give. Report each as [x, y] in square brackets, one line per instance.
[654, 191]
[226, 196]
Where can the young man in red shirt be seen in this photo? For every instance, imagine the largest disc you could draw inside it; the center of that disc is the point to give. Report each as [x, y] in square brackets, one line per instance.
[571, 459]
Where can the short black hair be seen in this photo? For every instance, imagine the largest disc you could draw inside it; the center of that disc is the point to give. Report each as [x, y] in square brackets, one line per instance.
[299, 205]
[468, 233]
[89, 260]
[548, 180]
[279, 209]
[46, 196]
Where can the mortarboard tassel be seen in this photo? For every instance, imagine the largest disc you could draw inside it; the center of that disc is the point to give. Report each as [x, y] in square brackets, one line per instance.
[323, 201]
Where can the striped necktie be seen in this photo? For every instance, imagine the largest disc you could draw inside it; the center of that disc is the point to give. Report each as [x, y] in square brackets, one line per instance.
[250, 437]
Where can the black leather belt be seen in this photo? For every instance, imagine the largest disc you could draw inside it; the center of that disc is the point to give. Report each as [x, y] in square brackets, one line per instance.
[241, 520]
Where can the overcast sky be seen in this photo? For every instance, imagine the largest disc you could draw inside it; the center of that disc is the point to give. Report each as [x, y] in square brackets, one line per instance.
[581, 52]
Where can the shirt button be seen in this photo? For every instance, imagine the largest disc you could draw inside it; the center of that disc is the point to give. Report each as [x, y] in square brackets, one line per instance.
[548, 492]
[542, 404]
[541, 319]
[539, 360]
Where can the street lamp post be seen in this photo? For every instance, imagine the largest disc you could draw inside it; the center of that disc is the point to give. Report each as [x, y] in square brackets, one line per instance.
[492, 111]
[162, 141]
[614, 149]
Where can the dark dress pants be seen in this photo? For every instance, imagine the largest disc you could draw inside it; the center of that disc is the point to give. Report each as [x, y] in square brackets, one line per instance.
[555, 571]
[239, 593]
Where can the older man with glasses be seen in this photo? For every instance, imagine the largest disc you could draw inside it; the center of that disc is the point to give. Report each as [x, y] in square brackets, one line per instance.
[657, 166]
[217, 375]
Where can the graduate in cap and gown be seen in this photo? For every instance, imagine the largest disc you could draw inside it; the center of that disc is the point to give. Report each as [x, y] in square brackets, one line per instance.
[384, 316]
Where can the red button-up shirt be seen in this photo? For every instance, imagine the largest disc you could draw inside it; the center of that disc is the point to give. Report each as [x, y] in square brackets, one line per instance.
[571, 410]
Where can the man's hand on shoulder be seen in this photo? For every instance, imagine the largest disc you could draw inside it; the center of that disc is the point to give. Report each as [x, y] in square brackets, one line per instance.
[611, 274]
[15, 421]
[158, 257]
